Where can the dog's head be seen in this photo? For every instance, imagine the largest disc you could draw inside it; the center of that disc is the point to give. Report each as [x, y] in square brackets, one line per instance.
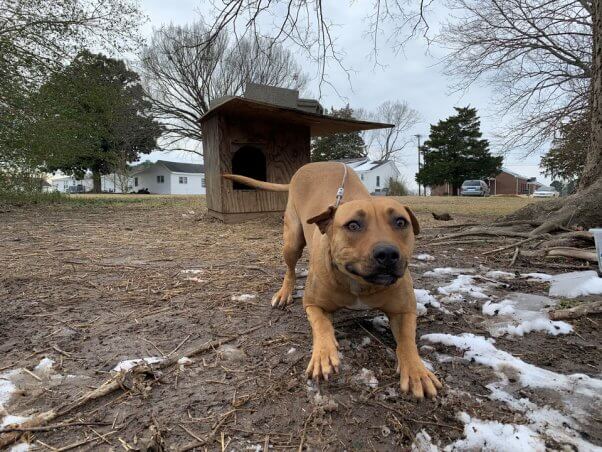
[371, 240]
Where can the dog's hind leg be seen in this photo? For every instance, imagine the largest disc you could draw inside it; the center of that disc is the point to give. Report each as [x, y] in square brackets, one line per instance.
[294, 241]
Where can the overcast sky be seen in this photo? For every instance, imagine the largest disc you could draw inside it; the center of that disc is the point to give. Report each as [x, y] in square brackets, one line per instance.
[414, 76]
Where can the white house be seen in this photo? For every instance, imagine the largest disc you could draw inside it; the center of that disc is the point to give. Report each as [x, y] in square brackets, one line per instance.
[170, 178]
[70, 184]
[375, 174]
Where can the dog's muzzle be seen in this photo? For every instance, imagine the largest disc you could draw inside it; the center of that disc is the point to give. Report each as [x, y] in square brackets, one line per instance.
[382, 275]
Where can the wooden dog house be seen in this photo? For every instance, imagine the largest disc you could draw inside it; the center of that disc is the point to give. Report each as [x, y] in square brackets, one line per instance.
[264, 135]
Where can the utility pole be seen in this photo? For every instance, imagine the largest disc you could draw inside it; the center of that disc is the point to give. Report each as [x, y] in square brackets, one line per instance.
[419, 136]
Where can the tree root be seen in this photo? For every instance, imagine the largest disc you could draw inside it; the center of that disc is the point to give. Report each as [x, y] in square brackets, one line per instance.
[565, 243]
[595, 307]
[576, 253]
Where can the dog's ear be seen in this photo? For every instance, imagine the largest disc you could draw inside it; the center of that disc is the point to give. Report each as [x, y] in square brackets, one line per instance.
[324, 219]
[414, 220]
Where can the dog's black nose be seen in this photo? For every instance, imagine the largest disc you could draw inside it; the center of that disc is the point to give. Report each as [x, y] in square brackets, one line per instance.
[386, 254]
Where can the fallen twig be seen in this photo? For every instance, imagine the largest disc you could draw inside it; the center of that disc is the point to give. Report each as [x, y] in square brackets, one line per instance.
[47, 428]
[595, 307]
[576, 253]
[497, 250]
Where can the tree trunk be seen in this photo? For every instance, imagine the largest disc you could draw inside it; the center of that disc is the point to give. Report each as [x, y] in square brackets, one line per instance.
[96, 182]
[593, 165]
[581, 209]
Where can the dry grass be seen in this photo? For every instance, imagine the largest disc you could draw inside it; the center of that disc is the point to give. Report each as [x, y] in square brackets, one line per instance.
[479, 207]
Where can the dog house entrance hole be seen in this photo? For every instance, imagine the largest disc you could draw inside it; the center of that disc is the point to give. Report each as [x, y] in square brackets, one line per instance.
[249, 161]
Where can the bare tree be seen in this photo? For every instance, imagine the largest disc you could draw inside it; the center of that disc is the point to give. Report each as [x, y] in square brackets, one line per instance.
[37, 36]
[536, 53]
[386, 144]
[183, 72]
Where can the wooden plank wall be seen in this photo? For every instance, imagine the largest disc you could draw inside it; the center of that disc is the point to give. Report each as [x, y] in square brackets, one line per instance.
[286, 147]
[211, 147]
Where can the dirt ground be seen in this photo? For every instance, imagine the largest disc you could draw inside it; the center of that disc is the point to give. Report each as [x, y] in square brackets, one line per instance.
[94, 282]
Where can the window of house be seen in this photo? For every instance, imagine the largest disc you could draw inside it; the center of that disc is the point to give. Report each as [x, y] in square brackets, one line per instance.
[183, 179]
[249, 161]
[203, 181]
[362, 176]
[160, 179]
[378, 181]
[135, 181]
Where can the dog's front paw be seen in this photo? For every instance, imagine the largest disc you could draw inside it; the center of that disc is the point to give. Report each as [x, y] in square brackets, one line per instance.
[324, 360]
[282, 298]
[417, 379]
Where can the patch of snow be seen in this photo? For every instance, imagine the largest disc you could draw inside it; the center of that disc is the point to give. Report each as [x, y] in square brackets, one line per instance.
[366, 377]
[424, 257]
[231, 352]
[365, 341]
[7, 387]
[576, 284]
[453, 298]
[291, 351]
[423, 296]
[579, 393]
[9, 419]
[21, 447]
[482, 351]
[523, 313]
[546, 420]
[380, 322]
[537, 277]
[129, 364]
[193, 271]
[423, 443]
[463, 284]
[420, 309]
[185, 361]
[495, 436]
[45, 366]
[243, 297]
[498, 274]
[446, 271]
[428, 365]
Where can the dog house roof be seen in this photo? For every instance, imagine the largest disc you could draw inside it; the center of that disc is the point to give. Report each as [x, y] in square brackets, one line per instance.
[320, 125]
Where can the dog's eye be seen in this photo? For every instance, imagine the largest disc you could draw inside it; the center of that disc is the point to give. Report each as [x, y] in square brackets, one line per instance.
[353, 226]
[401, 222]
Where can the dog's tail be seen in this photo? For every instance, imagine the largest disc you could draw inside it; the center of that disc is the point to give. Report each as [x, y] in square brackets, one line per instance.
[256, 183]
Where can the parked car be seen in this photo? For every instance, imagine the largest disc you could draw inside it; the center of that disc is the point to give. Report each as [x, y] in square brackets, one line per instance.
[545, 192]
[474, 188]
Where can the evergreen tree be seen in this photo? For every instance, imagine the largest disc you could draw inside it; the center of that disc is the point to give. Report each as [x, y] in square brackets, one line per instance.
[456, 152]
[92, 116]
[340, 145]
[567, 155]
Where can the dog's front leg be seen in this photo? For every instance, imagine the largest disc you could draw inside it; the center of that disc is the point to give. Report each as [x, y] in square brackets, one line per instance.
[325, 354]
[415, 377]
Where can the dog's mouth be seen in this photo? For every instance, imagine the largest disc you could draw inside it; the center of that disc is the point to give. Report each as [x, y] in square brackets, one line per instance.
[380, 276]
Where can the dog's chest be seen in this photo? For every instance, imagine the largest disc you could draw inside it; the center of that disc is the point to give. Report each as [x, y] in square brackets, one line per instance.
[359, 305]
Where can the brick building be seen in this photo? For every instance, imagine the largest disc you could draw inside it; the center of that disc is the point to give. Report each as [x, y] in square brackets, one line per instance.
[505, 183]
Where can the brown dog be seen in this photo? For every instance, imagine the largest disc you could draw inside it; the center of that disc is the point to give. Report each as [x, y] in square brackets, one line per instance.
[359, 254]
